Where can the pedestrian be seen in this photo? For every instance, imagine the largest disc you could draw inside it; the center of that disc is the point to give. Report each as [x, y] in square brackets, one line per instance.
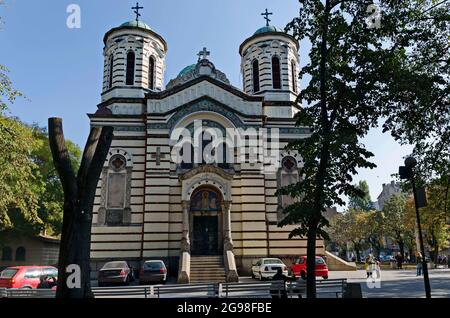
[419, 265]
[368, 265]
[399, 259]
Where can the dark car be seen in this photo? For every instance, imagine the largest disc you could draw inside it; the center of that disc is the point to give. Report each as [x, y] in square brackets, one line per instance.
[153, 272]
[118, 272]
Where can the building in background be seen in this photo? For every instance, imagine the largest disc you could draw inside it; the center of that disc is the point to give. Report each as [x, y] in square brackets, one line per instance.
[388, 191]
[28, 250]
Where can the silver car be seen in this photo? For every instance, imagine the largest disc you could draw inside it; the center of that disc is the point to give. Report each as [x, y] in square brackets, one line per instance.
[153, 272]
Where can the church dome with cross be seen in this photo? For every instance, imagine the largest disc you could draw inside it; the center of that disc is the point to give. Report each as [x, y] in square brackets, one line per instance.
[134, 60]
[268, 29]
[270, 63]
[136, 24]
[204, 67]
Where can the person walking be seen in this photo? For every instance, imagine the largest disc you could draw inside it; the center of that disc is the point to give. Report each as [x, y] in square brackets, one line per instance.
[419, 265]
[369, 265]
[399, 259]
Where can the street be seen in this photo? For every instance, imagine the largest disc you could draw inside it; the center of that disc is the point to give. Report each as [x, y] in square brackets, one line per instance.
[400, 283]
[393, 284]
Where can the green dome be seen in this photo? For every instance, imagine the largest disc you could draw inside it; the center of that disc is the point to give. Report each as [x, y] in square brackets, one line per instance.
[187, 69]
[136, 24]
[268, 29]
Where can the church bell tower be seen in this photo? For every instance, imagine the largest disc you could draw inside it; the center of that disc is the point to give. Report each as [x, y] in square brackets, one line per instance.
[270, 63]
[134, 60]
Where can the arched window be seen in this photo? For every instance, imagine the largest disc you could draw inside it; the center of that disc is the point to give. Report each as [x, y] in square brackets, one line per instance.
[151, 73]
[6, 253]
[294, 76]
[276, 73]
[111, 71]
[255, 76]
[20, 254]
[130, 68]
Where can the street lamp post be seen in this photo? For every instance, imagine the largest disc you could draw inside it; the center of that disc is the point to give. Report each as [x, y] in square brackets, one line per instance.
[407, 172]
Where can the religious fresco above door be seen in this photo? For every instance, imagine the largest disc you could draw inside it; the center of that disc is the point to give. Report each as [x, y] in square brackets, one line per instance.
[206, 201]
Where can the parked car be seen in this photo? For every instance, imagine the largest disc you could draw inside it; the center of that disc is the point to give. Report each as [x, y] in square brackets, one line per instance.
[299, 267]
[386, 258]
[153, 272]
[26, 277]
[117, 272]
[266, 268]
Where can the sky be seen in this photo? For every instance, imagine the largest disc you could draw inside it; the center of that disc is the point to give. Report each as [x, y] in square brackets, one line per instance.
[60, 69]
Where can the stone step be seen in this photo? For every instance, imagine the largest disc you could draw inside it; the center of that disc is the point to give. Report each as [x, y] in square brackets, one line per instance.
[206, 273]
[207, 269]
[206, 265]
[202, 271]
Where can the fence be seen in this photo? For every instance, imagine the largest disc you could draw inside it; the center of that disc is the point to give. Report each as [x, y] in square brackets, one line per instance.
[268, 289]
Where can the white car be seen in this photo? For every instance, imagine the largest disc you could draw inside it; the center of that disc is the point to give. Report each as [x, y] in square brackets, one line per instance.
[266, 268]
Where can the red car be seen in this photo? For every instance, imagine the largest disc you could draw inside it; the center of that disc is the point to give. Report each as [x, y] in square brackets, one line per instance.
[26, 277]
[299, 267]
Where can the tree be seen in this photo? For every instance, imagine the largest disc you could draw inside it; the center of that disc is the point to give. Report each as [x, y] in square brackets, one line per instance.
[419, 114]
[79, 194]
[397, 227]
[50, 201]
[6, 90]
[361, 202]
[338, 235]
[375, 226]
[19, 187]
[346, 62]
[433, 220]
[357, 73]
[349, 227]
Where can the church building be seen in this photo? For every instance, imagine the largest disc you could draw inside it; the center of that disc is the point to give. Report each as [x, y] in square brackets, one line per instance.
[208, 217]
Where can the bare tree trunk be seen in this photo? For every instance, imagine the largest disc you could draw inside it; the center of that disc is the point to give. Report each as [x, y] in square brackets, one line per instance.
[79, 193]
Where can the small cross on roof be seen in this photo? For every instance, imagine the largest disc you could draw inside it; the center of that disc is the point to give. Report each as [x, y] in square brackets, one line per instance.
[266, 16]
[203, 55]
[136, 11]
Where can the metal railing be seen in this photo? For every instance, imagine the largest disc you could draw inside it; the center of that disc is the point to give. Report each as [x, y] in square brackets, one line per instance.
[265, 289]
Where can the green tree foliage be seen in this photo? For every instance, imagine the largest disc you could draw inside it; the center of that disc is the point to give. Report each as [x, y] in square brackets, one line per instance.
[375, 226]
[349, 228]
[7, 93]
[19, 186]
[32, 197]
[346, 62]
[363, 202]
[357, 73]
[417, 106]
[433, 220]
[398, 228]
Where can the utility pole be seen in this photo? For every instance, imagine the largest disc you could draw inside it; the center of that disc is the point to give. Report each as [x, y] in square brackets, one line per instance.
[407, 172]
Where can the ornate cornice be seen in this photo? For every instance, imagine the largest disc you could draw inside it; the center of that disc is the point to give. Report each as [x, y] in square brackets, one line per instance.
[207, 169]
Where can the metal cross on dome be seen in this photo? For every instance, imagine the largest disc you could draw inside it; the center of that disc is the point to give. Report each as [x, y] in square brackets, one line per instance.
[136, 11]
[267, 14]
[203, 55]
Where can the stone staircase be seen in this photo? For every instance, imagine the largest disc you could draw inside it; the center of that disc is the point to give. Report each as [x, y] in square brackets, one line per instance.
[207, 269]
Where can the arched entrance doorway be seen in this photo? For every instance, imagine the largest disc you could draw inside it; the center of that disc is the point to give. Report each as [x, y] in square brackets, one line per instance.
[206, 220]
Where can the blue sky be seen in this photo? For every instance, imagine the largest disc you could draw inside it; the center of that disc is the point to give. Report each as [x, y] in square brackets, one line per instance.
[60, 69]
